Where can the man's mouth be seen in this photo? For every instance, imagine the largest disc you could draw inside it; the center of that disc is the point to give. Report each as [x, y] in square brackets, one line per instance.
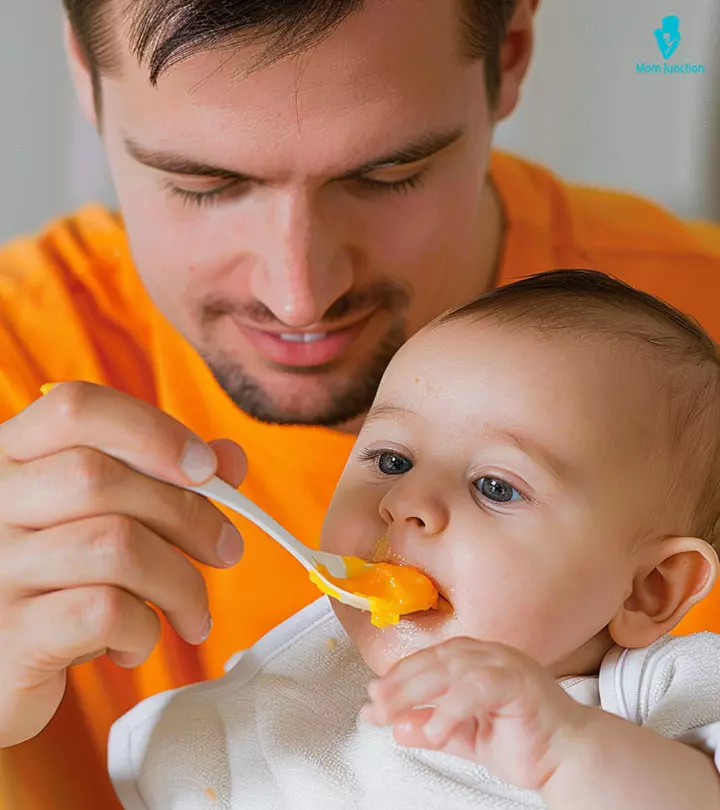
[303, 348]
[303, 337]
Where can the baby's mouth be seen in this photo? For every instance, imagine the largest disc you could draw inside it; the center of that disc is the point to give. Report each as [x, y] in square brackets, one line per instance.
[382, 553]
[443, 604]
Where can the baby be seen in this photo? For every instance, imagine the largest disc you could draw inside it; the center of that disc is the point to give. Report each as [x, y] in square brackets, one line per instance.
[549, 456]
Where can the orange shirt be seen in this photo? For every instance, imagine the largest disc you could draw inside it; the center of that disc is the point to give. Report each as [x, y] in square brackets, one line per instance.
[72, 307]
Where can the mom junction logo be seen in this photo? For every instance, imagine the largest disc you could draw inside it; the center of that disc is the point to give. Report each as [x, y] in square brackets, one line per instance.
[668, 39]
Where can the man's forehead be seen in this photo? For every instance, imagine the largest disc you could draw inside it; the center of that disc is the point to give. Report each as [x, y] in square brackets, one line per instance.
[148, 33]
[362, 99]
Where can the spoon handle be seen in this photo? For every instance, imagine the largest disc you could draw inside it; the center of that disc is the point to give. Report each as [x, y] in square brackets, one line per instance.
[218, 490]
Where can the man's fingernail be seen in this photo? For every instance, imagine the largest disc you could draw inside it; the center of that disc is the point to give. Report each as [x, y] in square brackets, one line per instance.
[198, 461]
[230, 545]
[207, 629]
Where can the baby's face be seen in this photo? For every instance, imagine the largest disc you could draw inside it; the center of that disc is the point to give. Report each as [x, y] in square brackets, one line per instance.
[521, 475]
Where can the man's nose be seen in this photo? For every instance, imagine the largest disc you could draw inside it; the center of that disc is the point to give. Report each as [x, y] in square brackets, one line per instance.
[413, 509]
[302, 264]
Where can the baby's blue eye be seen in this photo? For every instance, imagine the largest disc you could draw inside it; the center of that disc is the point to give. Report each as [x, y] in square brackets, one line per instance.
[393, 464]
[497, 490]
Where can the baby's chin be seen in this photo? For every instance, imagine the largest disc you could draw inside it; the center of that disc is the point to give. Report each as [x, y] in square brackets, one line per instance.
[382, 648]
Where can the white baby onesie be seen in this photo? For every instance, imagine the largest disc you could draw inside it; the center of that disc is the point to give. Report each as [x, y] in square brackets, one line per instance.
[280, 731]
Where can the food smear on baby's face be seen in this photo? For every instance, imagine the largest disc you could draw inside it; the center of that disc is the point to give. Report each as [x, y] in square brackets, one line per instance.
[381, 552]
[391, 590]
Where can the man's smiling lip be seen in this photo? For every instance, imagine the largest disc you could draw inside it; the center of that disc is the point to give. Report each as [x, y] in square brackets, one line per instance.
[326, 347]
[311, 330]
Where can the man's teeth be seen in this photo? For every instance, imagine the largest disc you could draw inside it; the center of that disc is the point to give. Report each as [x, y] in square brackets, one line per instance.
[310, 337]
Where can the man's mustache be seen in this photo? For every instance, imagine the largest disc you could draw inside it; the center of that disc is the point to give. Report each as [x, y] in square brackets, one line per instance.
[384, 295]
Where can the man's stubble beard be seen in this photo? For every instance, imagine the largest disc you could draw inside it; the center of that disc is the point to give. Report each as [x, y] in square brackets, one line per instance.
[348, 400]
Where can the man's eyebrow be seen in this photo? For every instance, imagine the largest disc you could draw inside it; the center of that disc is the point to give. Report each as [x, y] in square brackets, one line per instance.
[172, 163]
[423, 147]
[542, 455]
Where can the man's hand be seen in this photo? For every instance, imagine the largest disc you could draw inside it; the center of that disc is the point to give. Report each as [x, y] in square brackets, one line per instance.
[488, 703]
[86, 540]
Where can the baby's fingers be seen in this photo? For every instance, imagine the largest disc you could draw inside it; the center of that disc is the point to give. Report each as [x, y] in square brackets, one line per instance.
[409, 732]
[392, 699]
[454, 709]
[483, 695]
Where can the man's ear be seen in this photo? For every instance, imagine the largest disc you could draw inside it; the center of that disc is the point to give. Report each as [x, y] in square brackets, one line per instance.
[677, 574]
[81, 74]
[515, 52]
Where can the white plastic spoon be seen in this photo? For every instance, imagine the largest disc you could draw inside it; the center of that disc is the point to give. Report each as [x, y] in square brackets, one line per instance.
[218, 490]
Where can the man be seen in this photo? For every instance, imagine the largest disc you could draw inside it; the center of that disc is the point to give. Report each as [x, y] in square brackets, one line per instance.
[304, 185]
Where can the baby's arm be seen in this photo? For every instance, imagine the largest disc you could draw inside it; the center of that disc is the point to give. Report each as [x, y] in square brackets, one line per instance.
[495, 706]
[671, 688]
[613, 763]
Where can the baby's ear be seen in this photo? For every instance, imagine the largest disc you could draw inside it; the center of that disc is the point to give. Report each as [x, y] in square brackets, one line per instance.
[677, 574]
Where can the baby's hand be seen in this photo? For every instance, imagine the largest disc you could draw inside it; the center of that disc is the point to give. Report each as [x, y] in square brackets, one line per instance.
[488, 703]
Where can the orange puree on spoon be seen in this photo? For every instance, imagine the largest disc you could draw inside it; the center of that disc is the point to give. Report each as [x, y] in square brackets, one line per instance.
[391, 590]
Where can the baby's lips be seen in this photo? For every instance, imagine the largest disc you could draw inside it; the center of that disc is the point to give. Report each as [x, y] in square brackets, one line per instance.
[442, 605]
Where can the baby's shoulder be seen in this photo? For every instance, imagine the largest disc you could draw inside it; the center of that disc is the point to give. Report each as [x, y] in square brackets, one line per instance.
[675, 675]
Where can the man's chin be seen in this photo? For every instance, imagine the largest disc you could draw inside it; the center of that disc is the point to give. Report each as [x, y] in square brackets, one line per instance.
[286, 397]
[300, 410]
[333, 394]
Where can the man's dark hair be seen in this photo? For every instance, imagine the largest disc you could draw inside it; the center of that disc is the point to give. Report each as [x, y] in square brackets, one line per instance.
[584, 306]
[163, 32]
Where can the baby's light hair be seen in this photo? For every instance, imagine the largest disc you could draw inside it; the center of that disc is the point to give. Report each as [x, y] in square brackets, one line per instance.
[595, 306]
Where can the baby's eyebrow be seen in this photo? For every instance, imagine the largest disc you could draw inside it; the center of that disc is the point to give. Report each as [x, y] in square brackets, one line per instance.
[387, 411]
[558, 467]
[543, 456]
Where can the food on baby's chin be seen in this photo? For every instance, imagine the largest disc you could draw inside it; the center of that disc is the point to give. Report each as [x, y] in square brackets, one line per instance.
[392, 590]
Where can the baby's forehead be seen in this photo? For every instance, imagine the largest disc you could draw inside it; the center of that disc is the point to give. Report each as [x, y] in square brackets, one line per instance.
[471, 376]
[464, 347]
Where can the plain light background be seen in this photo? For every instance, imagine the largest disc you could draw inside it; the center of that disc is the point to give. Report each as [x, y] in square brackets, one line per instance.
[585, 113]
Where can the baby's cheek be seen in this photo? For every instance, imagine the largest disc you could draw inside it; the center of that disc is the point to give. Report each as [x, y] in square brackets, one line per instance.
[352, 524]
[339, 532]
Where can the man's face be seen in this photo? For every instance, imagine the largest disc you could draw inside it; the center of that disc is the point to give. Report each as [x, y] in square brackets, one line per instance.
[521, 475]
[298, 223]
